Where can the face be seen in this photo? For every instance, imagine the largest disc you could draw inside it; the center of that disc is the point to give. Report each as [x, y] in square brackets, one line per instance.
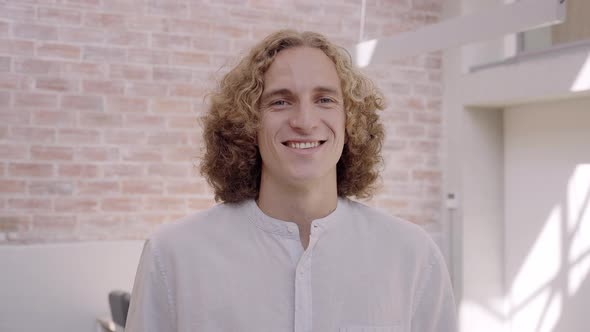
[302, 126]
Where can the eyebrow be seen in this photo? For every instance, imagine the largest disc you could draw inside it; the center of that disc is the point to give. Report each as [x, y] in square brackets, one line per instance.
[275, 93]
[287, 92]
[327, 90]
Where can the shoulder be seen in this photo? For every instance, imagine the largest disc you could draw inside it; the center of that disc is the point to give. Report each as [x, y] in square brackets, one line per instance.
[378, 220]
[196, 229]
[400, 234]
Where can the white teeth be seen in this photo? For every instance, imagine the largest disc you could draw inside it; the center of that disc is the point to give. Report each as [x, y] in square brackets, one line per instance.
[306, 145]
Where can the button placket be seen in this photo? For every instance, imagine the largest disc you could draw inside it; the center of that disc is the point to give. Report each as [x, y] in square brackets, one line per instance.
[303, 290]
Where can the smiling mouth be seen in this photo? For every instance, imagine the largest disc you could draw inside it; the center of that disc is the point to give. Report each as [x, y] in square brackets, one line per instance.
[303, 145]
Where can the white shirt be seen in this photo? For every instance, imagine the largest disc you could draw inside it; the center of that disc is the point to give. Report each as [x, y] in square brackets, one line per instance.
[232, 268]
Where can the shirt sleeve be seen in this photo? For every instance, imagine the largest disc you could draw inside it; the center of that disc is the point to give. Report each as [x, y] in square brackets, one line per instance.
[151, 307]
[435, 309]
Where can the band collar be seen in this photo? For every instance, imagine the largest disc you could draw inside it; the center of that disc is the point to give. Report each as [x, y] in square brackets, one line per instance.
[287, 228]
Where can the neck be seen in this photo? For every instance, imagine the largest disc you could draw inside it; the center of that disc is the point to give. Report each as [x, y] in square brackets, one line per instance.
[299, 204]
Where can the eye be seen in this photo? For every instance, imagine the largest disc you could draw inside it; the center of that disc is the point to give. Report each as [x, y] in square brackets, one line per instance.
[279, 103]
[326, 100]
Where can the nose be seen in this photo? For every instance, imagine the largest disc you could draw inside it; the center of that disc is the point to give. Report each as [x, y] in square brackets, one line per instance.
[304, 118]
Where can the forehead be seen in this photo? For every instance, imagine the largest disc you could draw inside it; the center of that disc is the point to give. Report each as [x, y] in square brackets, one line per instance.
[301, 68]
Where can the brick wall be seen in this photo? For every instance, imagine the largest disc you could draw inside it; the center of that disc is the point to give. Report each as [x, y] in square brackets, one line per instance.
[99, 101]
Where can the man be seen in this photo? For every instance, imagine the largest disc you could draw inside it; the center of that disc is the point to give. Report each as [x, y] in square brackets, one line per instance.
[291, 132]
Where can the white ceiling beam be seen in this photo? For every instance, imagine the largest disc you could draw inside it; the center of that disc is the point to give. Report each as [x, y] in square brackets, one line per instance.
[506, 19]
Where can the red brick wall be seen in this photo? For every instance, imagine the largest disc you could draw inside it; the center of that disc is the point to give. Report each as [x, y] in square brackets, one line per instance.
[99, 100]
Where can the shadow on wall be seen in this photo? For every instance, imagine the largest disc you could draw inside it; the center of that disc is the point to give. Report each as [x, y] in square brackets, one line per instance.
[547, 272]
[547, 216]
[548, 290]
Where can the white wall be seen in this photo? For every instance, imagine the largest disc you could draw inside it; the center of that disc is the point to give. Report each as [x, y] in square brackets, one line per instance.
[547, 215]
[482, 307]
[62, 287]
[473, 171]
[558, 74]
[473, 107]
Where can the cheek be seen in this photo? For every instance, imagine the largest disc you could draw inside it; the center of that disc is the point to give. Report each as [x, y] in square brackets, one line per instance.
[269, 128]
[262, 141]
[265, 138]
[341, 125]
[262, 130]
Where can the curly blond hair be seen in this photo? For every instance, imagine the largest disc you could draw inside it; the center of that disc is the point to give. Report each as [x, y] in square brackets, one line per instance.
[231, 162]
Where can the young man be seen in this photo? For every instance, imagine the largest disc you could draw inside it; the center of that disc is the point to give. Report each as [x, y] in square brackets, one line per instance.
[291, 132]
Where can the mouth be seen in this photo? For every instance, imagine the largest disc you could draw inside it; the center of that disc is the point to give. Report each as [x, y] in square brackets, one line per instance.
[303, 145]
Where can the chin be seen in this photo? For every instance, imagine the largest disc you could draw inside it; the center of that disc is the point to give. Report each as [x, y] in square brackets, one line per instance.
[310, 175]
